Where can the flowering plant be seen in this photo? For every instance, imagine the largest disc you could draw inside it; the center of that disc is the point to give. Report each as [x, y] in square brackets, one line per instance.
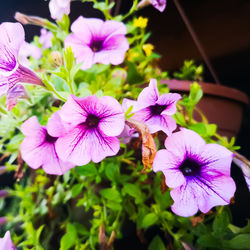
[93, 147]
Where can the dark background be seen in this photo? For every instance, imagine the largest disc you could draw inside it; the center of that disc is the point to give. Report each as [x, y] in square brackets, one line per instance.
[223, 27]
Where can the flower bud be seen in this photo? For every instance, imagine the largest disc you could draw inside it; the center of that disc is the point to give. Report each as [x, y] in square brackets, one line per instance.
[2, 169]
[4, 193]
[3, 220]
[56, 58]
[25, 19]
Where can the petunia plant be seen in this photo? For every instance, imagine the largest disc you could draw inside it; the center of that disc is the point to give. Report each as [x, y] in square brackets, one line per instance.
[94, 142]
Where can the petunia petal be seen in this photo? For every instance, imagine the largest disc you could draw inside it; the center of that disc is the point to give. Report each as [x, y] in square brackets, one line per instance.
[184, 201]
[112, 116]
[213, 191]
[161, 122]
[169, 100]
[185, 141]
[111, 28]
[52, 164]
[169, 164]
[74, 111]
[148, 96]
[217, 159]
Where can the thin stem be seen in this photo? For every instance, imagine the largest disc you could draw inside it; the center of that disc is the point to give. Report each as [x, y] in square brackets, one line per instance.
[131, 11]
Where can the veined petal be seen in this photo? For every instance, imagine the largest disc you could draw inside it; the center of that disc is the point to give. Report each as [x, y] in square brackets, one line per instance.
[113, 51]
[161, 122]
[159, 4]
[148, 96]
[213, 191]
[52, 164]
[3, 85]
[170, 101]
[169, 164]
[74, 111]
[185, 141]
[217, 159]
[13, 94]
[112, 116]
[12, 36]
[185, 203]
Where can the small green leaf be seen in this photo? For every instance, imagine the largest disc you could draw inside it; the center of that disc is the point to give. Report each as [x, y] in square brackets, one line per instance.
[220, 223]
[111, 194]
[241, 241]
[156, 244]
[112, 172]
[149, 220]
[70, 238]
[134, 191]
[87, 170]
[76, 189]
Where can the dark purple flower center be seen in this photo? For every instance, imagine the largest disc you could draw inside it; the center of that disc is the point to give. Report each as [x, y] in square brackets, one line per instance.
[50, 139]
[190, 167]
[96, 45]
[92, 121]
[157, 109]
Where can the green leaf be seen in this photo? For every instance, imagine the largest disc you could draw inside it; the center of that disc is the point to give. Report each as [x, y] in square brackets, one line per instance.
[149, 220]
[111, 194]
[69, 58]
[241, 241]
[76, 189]
[134, 191]
[208, 240]
[156, 244]
[87, 170]
[199, 128]
[133, 74]
[112, 171]
[70, 238]
[220, 223]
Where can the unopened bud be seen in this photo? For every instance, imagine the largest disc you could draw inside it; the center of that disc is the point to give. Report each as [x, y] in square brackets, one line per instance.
[25, 19]
[34, 20]
[143, 3]
[2, 169]
[3, 220]
[4, 193]
[56, 58]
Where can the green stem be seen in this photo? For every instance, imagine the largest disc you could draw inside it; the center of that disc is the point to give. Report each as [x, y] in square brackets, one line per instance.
[132, 10]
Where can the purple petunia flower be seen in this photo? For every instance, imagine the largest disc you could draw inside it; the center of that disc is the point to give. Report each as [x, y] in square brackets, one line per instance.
[199, 173]
[11, 72]
[58, 8]
[158, 4]
[95, 41]
[46, 38]
[154, 110]
[87, 129]
[38, 148]
[6, 242]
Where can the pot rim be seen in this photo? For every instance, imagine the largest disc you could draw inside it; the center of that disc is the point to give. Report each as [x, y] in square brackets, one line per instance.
[209, 89]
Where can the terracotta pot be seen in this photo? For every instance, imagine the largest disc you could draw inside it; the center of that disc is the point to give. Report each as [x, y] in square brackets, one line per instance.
[221, 105]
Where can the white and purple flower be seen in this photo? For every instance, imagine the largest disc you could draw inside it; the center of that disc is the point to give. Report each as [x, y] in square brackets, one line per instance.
[11, 72]
[6, 242]
[87, 129]
[95, 41]
[58, 8]
[38, 148]
[199, 173]
[154, 110]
